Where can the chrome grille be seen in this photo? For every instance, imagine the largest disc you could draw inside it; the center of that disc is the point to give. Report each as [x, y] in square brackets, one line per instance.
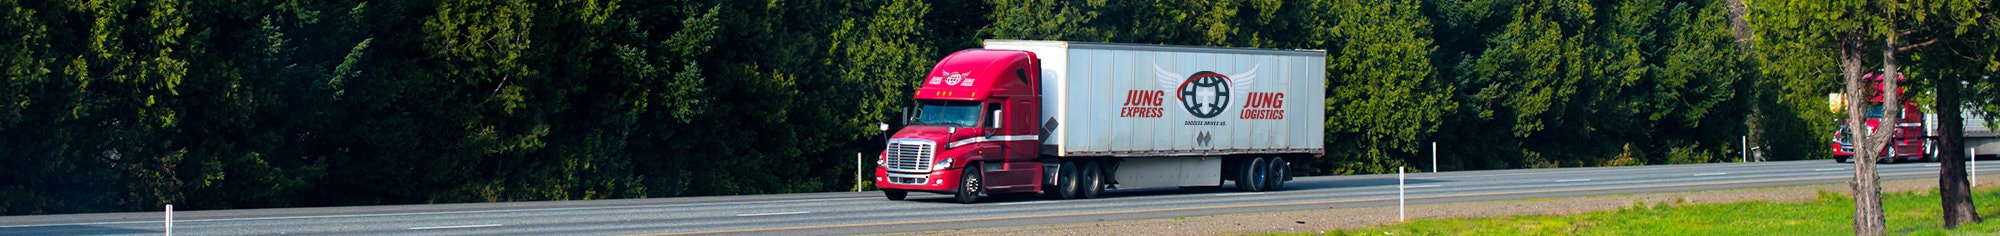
[909, 155]
[907, 180]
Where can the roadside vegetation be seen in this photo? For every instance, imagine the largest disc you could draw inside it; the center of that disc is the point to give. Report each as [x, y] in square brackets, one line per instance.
[129, 105]
[1908, 213]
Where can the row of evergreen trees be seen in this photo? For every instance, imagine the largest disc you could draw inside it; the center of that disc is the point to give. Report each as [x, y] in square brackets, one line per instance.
[124, 105]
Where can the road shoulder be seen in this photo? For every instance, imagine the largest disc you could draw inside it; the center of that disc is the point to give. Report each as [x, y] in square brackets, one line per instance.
[1318, 220]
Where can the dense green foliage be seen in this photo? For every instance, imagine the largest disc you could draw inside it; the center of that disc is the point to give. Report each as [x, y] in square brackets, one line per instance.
[1909, 213]
[121, 105]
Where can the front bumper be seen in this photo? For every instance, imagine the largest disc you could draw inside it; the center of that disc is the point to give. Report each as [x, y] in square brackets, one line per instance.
[938, 181]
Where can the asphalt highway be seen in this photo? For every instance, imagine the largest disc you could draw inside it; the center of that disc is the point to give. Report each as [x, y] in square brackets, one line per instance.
[868, 212]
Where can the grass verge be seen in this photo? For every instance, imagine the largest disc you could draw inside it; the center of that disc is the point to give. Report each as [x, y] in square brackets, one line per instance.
[1909, 213]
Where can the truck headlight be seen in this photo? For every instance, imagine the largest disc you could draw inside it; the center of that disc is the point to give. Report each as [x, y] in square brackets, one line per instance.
[944, 164]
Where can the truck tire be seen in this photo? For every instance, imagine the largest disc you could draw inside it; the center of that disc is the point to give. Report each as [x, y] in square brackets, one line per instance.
[1891, 157]
[1839, 160]
[1930, 151]
[1065, 181]
[1092, 180]
[895, 194]
[1252, 173]
[969, 184]
[1276, 179]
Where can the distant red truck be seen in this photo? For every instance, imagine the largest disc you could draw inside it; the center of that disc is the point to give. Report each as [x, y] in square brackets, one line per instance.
[1072, 119]
[1911, 141]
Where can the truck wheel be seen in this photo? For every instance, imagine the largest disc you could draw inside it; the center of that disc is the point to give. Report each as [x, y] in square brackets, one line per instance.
[1276, 179]
[895, 194]
[1930, 151]
[969, 185]
[1839, 160]
[1891, 157]
[1065, 181]
[1092, 180]
[1252, 177]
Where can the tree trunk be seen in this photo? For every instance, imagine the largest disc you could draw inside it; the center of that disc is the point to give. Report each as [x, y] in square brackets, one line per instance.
[1955, 192]
[1752, 121]
[1868, 218]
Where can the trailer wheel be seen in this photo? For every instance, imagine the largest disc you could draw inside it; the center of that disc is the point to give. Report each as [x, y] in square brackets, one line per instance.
[1065, 181]
[1276, 179]
[1092, 180]
[895, 194]
[1252, 179]
[969, 185]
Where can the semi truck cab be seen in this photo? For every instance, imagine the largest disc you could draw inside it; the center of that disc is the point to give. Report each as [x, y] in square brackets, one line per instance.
[973, 129]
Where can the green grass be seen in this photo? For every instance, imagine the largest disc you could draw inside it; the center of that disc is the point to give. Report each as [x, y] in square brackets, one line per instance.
[1909, 213]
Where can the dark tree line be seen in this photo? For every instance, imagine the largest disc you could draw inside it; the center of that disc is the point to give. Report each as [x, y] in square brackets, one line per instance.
[119, 105]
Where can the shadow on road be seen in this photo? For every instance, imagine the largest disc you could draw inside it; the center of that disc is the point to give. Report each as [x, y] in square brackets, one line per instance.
[73, 230]
[1294, 185]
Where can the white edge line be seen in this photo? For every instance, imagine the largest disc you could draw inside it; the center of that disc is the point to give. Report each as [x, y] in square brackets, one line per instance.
[774, 213]
[1024, 203]
[1710, 174]
[1933, 165]
[1424, 186]
[441, 213]
[1828, 169]
[1572, 180]
[1234, 194]
[456, 227]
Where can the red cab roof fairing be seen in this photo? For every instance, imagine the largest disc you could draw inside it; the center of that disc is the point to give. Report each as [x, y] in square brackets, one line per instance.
[976, 74]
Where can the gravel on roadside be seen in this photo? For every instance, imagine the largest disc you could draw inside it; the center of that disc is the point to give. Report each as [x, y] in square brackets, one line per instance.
[1317, 220]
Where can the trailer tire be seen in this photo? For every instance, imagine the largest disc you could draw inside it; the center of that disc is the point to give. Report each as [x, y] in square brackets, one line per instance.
[1092, 181]
[969, 184]
[1275, 180]
[895, 194]
[1252, 171]
[1065, 181]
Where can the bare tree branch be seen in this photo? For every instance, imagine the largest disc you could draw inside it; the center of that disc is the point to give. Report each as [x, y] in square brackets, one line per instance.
[1915, 46]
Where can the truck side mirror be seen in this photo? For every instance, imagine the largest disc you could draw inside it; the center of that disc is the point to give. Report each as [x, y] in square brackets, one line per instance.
[996, 119]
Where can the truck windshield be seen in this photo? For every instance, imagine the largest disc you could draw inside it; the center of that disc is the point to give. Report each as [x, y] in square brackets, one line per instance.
[952, 113]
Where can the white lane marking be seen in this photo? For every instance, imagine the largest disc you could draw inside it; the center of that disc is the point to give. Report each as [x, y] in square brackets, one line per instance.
[1234, 194]
[774, 213]
[1710, 174]
[444, 212]
[1827, 169]
[1571, 180]
[1424, 186]
[456, 227]
[1024, 203]
[1932, 165]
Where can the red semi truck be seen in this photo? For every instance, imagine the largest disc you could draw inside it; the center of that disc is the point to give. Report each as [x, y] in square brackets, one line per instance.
[1911, 141]
[1074, 119]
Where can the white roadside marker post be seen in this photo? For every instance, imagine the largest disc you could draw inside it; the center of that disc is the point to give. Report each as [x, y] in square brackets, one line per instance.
[857, 172]
[1972, 155]
[1434, 157]
[1399, 193]
[170, 219]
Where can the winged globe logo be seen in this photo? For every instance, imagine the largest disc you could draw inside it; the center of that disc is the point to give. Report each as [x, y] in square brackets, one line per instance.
[1204, 94]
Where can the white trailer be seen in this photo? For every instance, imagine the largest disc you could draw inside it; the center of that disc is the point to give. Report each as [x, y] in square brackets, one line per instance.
[1164, 116]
